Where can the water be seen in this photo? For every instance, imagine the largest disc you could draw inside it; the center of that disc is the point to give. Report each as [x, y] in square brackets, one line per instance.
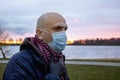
[80, 52]
[92, 52]
[10, 50]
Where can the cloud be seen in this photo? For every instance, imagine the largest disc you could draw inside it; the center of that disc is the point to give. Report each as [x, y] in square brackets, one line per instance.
[18, 24]
[20, 16]
[17, 36]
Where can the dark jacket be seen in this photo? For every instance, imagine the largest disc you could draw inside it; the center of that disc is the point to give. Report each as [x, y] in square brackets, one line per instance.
[28, 65]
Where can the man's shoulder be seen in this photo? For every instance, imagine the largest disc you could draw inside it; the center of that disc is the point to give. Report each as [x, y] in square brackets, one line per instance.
[22, 55]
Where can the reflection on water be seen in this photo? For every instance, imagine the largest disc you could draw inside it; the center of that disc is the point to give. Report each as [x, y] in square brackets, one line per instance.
[81, 52]
[92, 52]
[10, 50]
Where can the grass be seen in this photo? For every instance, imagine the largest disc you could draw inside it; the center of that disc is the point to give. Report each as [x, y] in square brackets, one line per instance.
[95, 60]
[84, 72]
[2, 68]
[5, 59]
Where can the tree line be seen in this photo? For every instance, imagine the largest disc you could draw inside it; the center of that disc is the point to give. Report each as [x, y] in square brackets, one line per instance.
[98, 41]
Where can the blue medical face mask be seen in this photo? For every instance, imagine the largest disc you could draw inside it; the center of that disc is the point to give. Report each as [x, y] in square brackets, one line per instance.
[59, 41]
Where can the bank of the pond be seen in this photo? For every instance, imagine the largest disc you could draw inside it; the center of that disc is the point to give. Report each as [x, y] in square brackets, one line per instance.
[89, 60]
[97, 60]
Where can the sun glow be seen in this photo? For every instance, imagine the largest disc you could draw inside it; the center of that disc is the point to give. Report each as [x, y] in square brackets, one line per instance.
[11, 41]
[70, 42]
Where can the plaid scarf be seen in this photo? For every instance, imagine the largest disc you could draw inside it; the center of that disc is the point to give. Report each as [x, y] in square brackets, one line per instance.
[45, 49]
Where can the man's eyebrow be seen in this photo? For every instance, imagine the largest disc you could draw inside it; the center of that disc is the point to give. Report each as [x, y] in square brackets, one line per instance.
[58, 26]
[61, 27]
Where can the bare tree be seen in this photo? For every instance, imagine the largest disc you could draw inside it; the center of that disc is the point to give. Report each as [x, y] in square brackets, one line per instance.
[11, 40]
[3, 37]
[20, 40]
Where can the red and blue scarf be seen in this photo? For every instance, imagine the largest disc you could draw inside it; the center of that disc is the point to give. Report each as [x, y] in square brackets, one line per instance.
[45, 49]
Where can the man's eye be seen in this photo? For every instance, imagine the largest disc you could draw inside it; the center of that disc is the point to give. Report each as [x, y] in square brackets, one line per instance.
[57, 28]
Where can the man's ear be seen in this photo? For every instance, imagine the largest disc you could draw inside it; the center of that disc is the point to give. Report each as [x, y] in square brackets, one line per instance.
[38, 31]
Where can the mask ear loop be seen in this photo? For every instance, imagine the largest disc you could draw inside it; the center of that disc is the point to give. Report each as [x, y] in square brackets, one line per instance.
[46, 31]
[40, 37]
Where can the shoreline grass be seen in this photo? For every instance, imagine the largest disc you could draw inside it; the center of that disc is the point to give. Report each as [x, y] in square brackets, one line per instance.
[95, 60]
[5, 59]
[85, 72]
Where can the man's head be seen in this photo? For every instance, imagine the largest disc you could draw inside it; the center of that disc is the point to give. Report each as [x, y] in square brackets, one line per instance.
[49, 23]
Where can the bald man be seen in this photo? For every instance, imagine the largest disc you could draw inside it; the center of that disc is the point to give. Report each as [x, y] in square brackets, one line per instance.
[40, 57]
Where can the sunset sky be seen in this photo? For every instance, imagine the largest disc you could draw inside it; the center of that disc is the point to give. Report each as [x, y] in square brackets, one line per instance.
[86, 19]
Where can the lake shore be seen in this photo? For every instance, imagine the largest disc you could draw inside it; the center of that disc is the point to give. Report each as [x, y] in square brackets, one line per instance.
[97, 60]
[89, 60]
[78, 52]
